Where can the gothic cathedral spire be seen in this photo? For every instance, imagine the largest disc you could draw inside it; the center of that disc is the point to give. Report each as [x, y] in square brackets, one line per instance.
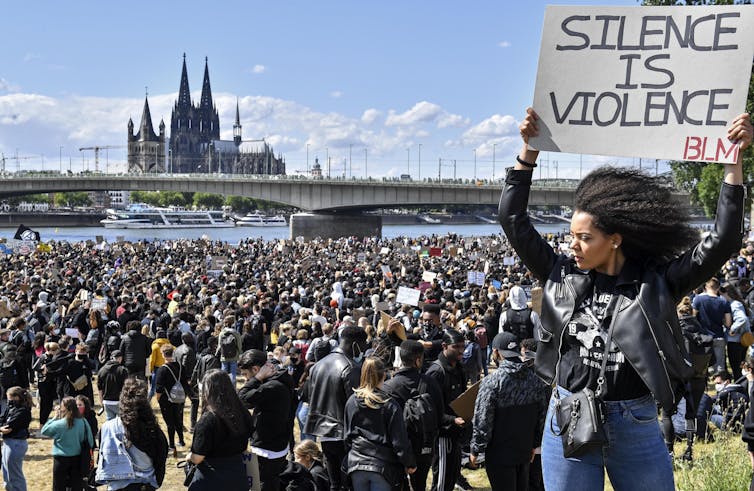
[237, 127]
[206, 100]
[184, 95]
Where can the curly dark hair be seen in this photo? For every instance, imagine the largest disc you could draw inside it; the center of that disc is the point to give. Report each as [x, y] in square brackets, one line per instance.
[634, 205]
[139, 422]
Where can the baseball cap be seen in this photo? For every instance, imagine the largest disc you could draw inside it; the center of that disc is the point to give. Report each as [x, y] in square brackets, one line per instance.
[507, 345]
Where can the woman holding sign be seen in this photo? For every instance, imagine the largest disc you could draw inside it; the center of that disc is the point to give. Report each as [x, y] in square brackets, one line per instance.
[611, 343]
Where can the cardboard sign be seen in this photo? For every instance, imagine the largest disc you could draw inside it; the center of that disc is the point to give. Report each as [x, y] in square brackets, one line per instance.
[429, 276]
[218, 262]
[655, 82]
[463, 405]
[361, 257]
[386, 271]
[509, 261]
[408, 296]
[435, 251]
[99, 304]
[475, 278]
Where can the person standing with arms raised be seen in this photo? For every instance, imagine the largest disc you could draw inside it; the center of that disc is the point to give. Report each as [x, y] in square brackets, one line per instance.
[634, 256]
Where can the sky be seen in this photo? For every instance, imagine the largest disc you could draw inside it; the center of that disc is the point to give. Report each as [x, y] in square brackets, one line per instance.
[381, 88]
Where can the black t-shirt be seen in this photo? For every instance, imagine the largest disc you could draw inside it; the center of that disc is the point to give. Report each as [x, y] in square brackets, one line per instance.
[584, 346]
[213, 438]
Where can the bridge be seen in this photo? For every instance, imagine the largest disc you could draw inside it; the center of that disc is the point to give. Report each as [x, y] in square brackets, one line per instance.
[334, 206]
[316, 195]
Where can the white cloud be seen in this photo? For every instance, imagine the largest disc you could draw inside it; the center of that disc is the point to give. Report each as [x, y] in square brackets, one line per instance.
[422, 112]
[504, 44]
[370, 116]
[31, 57]
[336, 94]
[497, 125]
[258, 69]
[448, 120]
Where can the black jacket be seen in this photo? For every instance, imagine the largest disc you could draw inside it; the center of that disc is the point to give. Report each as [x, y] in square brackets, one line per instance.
[331, 383]
[646, 331]
[18, 419]
[376, 439]
[272, 402]
[136, 350]
[452, 382]
[405, 381]
[110, 380]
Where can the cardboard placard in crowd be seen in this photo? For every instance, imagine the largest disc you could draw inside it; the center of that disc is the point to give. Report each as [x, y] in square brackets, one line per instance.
[408, 296]
[429, 276]
[463, 405]
[654, 82]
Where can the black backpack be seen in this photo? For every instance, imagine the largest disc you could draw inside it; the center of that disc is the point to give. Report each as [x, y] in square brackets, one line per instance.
[519, 323]
[421, 420]
[228, 345]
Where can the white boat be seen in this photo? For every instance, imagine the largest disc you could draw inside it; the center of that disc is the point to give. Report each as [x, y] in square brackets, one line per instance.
[256, 219]
[428, 219]
[140, 215]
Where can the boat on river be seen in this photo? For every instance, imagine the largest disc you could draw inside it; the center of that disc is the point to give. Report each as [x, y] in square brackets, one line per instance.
[143, 216]
[257, 219]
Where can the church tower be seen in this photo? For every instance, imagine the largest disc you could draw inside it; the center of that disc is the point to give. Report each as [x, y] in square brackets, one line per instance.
[237, 127]
[146, 150]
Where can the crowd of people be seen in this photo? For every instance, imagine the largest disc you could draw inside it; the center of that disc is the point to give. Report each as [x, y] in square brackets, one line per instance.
[366, 346]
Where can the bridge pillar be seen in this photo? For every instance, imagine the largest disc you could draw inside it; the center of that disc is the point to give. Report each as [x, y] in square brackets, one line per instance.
[334, 225]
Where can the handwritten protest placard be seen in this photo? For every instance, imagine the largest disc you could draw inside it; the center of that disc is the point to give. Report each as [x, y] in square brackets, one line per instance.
[655, 82]
[408, 296]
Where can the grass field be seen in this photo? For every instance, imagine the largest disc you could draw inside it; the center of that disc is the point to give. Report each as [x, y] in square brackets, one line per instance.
[722, 465]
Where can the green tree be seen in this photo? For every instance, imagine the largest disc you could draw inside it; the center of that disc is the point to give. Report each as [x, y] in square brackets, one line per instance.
[702, 179]
[148, 197]
[240, 204]
[172, 198]
[209, 201]
[72, 199]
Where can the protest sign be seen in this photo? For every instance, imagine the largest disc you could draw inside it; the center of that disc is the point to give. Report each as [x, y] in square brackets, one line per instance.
[463, 405]
[99, 304]
[655, 82]
[408, 296]
[429, 276]
[386, 271]
[475, 278]
[435, 251]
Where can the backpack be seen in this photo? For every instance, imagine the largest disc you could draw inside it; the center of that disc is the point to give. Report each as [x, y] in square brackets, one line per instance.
[421, 420]
[519, 323]
[8, 375]
[228, 345]
[176, 394]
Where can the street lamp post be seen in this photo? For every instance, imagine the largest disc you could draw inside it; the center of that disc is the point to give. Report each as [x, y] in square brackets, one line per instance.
[493, 161]
[420, 161]
[475, 165]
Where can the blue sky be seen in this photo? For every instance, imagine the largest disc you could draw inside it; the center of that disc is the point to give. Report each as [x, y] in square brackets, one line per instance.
[385, 76]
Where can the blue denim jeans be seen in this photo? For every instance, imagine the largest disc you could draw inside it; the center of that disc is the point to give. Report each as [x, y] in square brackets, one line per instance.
[302, 412]
[13, 460]
[111, 410]
[151, 384]
[230, 367]
[369, 481]
[635, 456]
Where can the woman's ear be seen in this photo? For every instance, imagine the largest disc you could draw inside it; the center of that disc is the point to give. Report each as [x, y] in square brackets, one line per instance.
[616, 239]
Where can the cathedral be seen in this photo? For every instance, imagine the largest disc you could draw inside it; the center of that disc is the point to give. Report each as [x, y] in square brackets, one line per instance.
[194, 145]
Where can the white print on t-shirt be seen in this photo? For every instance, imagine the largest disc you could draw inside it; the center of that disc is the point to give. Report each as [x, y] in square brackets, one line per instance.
[585, 326]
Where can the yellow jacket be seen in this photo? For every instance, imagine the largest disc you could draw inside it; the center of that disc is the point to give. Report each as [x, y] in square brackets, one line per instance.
[156, 360]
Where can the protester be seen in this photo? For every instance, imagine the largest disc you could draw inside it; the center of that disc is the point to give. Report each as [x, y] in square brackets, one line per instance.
[331, 383]
[713, 312]
[448, 373]
[110, 380]
[509, 416]
[268, 392]
[171, 388]
[739, 324]
[220, 437]
[379, 454]
[308, 454]
[156, 359]
[626, 234]
[14, 426]
[409, 383]
[136, 349]
[68, 430]
[133, 448]
[46, 383]
[519, 319]
[229, 348]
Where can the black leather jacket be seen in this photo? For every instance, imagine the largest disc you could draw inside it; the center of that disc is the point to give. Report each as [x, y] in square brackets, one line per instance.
[331, 383]
[646, 325]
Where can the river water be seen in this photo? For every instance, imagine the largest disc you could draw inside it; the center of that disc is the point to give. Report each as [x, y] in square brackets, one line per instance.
[235, 234]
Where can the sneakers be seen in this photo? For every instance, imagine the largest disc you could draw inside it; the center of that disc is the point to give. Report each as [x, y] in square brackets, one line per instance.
[462, 484]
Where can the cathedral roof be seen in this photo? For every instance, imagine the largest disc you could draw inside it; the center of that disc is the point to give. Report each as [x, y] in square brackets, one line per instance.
[206, 100]
[184, 95]
[146, 132]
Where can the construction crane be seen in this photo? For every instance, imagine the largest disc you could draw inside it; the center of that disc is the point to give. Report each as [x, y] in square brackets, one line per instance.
[96, 153]
[17, 159]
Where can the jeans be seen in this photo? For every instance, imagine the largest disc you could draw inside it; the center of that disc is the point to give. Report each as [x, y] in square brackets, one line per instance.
[301, 414]
[369, 481]
[230, 367]
[151, 383]
[718, 349]
[635, 456]
[13, 459]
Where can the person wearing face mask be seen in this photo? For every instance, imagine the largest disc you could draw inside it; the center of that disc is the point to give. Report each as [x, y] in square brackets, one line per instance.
[430, 333]
[331, 382]
[14, 426]
[729, 404]
[46, 382]
[80, 366]
[269, 392]
[449, 375]
[87, 412]
[405, 384]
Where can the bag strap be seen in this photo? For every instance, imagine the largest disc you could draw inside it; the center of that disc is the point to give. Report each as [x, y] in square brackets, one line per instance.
[611, 308]
[172, 373]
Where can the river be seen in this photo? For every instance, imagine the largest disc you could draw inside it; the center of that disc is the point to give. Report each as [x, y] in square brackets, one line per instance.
[235, 234]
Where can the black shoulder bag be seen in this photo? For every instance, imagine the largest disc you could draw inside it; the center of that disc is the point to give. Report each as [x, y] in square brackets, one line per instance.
[580, 416]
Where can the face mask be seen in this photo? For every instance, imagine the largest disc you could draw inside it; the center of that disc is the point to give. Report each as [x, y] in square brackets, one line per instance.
[719, 387]
[12, 403]
[82, 410]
